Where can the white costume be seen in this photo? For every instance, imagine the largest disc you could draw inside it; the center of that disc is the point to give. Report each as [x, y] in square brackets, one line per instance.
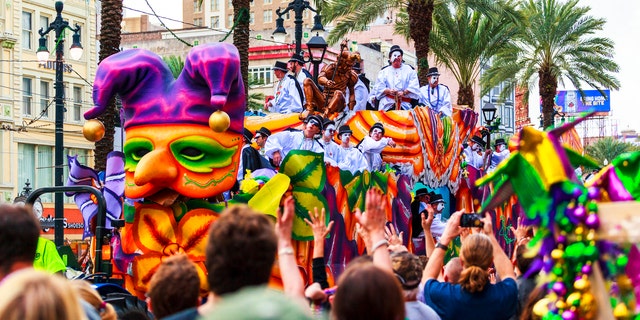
[403, 78]
[497, 157]
[438, 98]
[352, 160]
[362, 94]
[473, 158]
[371, 150]
[332, 152]
[286, 141]
[287, 98]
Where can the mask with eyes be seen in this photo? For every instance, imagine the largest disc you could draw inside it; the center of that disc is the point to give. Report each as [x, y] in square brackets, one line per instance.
[439, 207]
[183, 137]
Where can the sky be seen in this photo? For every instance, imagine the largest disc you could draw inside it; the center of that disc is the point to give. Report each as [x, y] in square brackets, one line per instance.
[623, 27]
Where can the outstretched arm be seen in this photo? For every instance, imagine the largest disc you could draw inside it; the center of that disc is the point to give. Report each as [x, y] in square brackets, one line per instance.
[291, 279]
[451, 231]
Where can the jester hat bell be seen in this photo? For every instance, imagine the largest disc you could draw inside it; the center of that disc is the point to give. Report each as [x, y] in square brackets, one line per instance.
[210, 81]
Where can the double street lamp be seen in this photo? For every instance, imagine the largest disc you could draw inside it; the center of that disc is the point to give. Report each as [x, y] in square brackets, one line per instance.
[317, 46]
[298, 6]
[59, 26]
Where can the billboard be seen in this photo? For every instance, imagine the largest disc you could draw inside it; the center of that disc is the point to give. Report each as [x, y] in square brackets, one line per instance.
[570, 101]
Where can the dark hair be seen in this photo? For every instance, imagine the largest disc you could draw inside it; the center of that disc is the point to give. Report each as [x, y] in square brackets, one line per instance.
[368, 292]
[522, 261]
[476, 254]
[174, 287]
[19, 233]
[241, 250]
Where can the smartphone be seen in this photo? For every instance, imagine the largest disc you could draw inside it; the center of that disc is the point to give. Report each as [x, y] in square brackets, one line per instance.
[471, 220]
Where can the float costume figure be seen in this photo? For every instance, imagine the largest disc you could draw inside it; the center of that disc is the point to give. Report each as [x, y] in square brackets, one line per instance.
[173, 158]
[338, 79]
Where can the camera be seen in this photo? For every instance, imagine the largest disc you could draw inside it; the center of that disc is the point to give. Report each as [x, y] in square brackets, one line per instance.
[471, 220]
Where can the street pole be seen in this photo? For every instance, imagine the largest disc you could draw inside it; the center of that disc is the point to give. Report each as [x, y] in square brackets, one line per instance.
[59, 26]
[298, 7]
[59, 142]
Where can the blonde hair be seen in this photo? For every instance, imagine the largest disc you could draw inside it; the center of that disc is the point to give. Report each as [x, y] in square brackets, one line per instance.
[36, 295]
[477, 255]
[90, 295]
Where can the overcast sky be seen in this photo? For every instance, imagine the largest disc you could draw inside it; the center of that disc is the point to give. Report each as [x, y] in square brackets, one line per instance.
[623, 27]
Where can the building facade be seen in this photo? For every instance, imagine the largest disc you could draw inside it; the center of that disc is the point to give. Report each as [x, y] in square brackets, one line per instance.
[27, 91]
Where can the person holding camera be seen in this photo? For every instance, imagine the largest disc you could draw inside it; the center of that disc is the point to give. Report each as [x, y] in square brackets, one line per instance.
[479, 251]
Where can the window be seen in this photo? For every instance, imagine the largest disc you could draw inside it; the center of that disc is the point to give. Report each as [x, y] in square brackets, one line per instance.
[263, 75]
[215, 22]
[35, 163]
[27, 96]
[77, 103]
[252, 18]
[44, 24]
[230, 4]
[44, 99]
[197, 22]
[197, 6]
[26, 164]
[268, 1]
[267, 16]
[230, 21]
[215, 5]
[27, 30]
[45, 169]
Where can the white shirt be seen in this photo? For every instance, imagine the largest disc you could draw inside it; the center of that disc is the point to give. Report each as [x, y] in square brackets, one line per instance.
[287, 99]
[362, 94]
[286, 141]
[371, 150]
[403, 78]
[438, 99]
[497, 157]
[332, 152]
[352, 160]
[473, 158]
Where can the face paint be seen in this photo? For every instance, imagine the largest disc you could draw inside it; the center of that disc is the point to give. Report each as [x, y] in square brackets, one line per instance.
[376, 131]
[395, 56]
[500, 147]
[433, 80]
[440, 207]
[345, 136]
[329, 131]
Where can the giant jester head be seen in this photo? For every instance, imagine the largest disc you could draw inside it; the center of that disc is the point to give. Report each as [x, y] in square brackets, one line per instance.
[183, 137]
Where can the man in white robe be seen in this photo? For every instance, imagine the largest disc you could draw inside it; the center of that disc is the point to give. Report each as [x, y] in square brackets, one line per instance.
[332, 151]
[373, 144]
[397, 84]
[279, 144]
[435, 95]
[352, 159]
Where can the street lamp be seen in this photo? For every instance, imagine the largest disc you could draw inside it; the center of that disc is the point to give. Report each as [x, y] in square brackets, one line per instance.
[59, 26]
[298, 7]
[489, 113]
[317, 48]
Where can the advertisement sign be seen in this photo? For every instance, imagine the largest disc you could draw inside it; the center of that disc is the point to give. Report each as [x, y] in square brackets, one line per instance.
[570, 101]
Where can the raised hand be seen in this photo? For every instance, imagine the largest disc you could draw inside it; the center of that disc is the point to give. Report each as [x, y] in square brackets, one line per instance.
[391, 235]
[318, 227]
[284, 222]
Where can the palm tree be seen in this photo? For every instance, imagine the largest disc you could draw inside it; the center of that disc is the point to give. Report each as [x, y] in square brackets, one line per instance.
[241, 37]
[255, 101]
[464, 40]
[555, 41]
[109, 44]
[356, 15]
[175, 64]
[607, 149]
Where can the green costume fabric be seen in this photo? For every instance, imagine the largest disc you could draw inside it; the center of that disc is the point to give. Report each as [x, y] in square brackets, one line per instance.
[47, 257]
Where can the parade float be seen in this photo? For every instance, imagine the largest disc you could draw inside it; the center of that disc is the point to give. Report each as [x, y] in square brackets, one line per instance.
[181, 153]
